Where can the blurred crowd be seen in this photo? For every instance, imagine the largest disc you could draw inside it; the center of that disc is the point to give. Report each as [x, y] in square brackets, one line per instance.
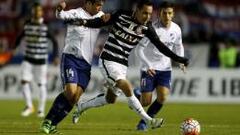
[215, 23]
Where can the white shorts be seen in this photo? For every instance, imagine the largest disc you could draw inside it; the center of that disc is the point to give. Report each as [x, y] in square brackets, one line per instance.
[113, 71]
[36, 72]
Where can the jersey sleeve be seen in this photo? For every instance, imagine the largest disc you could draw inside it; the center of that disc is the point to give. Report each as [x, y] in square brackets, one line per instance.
[140, 52]
[67, 15]
[178, 47]
[100, 22]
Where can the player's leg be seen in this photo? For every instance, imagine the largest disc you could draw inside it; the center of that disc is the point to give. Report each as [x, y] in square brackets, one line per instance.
[75, 77]
[40, 76]
[61, 106]
[100, 100]
[163, 85]
[112, 72]
[64, 103]
[134, 103]
[42, 100]
[145, 99]
[26, 75]
[148, 84]
[155, 107]
[117, 73]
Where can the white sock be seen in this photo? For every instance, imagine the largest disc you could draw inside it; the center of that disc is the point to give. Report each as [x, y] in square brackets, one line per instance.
[27, 94]
[42, 98]
[95, 102]
[134, 104]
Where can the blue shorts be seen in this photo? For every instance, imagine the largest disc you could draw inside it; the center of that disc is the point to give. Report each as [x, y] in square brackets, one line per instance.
[149, 83]
[75, 70]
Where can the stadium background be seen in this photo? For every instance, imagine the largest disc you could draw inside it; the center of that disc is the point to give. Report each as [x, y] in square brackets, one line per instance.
[211, 91]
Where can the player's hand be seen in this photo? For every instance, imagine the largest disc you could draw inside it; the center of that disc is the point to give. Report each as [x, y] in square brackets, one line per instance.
[61, 5]
[184, 61]
[151, 72]
[183, 68]
[106, 17]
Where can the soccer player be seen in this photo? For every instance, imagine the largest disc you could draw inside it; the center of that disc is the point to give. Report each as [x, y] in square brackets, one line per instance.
[127, 29]
[34, 67]
[156, 68]
[76, 61]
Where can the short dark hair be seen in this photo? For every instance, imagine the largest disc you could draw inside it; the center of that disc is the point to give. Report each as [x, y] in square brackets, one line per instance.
[141, 3]
[166, 4]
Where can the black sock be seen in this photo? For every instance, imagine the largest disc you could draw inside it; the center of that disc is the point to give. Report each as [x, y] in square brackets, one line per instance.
[153, 110]
[59, 109]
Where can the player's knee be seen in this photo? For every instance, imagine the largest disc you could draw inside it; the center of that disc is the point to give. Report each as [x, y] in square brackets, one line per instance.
[162, 98]
[145, 104]
[72, 96]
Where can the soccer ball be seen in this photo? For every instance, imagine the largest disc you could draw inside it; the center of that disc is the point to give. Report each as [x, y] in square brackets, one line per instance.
[190, 127]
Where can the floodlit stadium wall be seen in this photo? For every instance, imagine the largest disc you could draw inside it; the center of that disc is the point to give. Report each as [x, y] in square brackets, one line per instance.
[197, 85]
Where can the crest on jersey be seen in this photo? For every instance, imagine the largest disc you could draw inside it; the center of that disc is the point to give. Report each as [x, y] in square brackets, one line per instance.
[139, 30]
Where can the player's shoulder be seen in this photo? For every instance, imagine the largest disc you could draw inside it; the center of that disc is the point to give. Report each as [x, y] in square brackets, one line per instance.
[175, 26]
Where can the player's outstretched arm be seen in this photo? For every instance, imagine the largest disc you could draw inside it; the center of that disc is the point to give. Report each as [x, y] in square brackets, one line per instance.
[144, 59]
[99, 22]
[140, 53]
[151, 34]
[65, 15]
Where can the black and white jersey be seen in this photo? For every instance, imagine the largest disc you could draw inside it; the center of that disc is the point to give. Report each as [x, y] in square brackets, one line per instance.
[124, 35]
[36, 36]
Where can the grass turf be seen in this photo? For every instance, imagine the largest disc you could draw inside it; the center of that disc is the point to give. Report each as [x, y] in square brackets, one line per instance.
[118, 119]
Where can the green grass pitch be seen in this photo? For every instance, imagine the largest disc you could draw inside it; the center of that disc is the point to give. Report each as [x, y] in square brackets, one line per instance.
[118, 119]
